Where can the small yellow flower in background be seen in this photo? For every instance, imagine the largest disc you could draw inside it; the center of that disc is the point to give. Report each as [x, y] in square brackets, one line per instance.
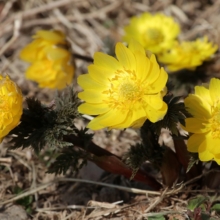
[204, 106]
[10, 106]
[155, 33]
[50, 62]
[123, 92]
[188, 54]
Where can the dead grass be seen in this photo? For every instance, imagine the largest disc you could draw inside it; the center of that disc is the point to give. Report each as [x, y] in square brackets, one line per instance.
[90, 25]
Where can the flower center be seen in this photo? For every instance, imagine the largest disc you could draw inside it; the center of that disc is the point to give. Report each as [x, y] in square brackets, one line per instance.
[125, 90]
[215, 122]
[128, 91]
[153, 36]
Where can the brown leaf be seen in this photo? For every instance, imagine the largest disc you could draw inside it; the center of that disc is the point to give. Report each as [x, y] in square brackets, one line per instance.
[170, 168]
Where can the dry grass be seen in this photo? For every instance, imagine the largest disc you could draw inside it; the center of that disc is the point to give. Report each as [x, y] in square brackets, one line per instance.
[90, 25]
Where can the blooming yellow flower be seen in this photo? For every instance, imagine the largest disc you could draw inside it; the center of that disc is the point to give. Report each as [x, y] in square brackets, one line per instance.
[188, 54]
[155, 33]
[10, 105]
[204, 106]
[45, 46]
[50, 62]
[123, 92]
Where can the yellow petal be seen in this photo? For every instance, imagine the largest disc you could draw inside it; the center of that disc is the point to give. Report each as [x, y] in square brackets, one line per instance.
[213, 144]
[214, 87]
[53, 36]
[125, 57]
[106, 61]
[197, 107]
[86, 82]
[154, 101]
[29, 52]
[154, 70]
[159, 84]
[143, 66]
[194, 142]
[93, 109]
[195, 125]
[156, 115]
[107, 120]
[101, 74]
[136, 47]
[204, 153]
[91, 96]
[136, 114]
[55, 53]
[204, 94]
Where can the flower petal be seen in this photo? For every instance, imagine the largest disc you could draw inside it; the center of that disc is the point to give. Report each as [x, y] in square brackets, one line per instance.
[101, 74]
[91, 96]
[159, 84]
[93, 109]
[197, 126]
[204, 94]
[197, 107]
[156, 115]
[154, 101]
[86, 82]
[106, 61]
[214, 88]
[125, 57]
[204, 153]
[194, 142]
[108, 119]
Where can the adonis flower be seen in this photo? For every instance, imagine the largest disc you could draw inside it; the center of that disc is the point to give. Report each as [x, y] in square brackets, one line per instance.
[155, 33]
[10, 105]
[123, 92]
[50, 62]
[188, 54]
[204, 106]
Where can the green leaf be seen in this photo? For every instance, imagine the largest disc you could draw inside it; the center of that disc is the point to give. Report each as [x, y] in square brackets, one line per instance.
[216, 207]
[196, 202]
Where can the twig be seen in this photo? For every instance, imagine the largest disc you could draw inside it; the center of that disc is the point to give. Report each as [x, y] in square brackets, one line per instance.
[50, 21]
[6, 160]
[157, 201]
[17, 26]
[6, 9]
[43, 186]
[81, 57]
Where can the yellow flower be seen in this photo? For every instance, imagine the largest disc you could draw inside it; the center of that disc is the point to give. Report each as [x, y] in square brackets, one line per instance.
[45, 46]
[155, 33]
[123, 92]
[204, 106]
[50, 74]
[50, 61]
[10, 106]
[188, 54]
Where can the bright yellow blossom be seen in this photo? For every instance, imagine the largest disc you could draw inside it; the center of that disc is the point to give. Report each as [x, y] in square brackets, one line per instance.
[10, 105]
[204, 106]
[50, 62]
[123, 92]
[155, 33]
[188, 54]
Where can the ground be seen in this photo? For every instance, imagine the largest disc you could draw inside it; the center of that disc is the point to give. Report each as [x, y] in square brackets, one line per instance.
[90, 26]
